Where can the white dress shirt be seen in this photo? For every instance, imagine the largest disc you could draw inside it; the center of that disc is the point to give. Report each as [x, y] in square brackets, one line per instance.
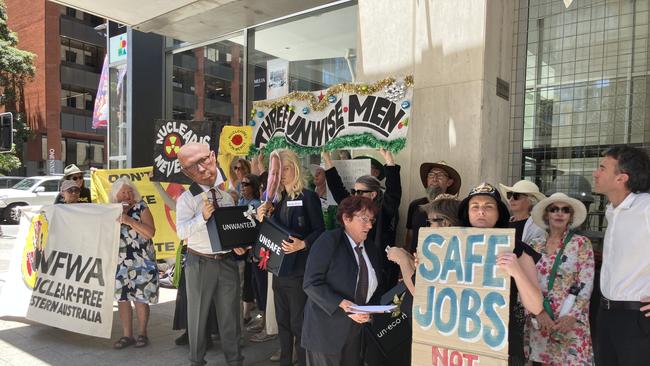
[190, 225]
[532, 231]
[625, 274]
[372, 277]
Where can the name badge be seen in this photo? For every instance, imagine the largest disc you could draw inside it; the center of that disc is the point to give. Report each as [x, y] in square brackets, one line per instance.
[296, 203]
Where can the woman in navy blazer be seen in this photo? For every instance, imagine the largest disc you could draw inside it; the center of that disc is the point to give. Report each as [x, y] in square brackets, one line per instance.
[330, 335]
[299, 211]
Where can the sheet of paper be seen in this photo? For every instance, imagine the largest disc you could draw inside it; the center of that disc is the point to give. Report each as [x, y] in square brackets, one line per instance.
[369, 309]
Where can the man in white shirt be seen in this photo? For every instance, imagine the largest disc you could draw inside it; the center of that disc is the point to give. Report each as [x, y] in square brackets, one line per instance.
[624, 316]
[209, 276]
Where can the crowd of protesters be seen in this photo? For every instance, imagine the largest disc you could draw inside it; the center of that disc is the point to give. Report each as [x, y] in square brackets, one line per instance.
[349, 256]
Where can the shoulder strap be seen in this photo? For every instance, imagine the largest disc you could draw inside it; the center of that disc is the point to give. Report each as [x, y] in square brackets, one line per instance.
[195, 189]
[553, 274]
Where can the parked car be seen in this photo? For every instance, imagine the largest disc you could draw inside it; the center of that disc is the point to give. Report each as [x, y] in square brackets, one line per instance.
[31, 191]
[8, 182]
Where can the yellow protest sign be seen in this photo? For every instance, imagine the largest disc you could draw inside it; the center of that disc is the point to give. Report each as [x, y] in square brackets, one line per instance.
[235, 140]
[164, 216]
[461, 303]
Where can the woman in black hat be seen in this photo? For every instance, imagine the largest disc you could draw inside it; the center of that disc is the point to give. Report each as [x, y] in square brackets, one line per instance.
[483, 208]
[383, 232]
[72, 172]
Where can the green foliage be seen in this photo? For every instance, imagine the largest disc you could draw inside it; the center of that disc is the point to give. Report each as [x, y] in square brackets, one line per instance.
[16, 68]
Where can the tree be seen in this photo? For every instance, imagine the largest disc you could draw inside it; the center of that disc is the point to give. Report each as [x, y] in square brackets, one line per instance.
[16, 68]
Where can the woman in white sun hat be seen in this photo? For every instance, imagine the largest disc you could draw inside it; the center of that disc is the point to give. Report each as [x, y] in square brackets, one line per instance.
[566, 275]
[521, 198]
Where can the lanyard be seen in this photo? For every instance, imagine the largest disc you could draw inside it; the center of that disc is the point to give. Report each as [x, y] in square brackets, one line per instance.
[551, 279]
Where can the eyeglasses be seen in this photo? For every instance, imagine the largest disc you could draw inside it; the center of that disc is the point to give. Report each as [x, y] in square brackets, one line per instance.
[73, 190]
[515, 195]
[436, 220]
[366, 219]
[245, 184]
[204, 160]
[77, 177]
[358, 192]
[236, 168]
[554, 209]
[438, 175]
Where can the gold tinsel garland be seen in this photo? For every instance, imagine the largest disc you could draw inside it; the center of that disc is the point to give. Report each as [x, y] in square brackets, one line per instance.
[319, 105]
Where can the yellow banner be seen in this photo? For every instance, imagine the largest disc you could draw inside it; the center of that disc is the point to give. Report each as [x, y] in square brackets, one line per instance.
[164, 216]
[235, 140]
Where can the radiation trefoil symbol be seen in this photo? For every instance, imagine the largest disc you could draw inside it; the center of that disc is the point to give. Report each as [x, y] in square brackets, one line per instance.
[173, 143]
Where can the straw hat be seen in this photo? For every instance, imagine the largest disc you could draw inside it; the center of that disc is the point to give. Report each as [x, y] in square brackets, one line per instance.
[579, 210]
[425, 168]
[70, 170]
[524, 186]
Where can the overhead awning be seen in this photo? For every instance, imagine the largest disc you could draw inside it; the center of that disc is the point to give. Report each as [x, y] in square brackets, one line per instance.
[192, 20]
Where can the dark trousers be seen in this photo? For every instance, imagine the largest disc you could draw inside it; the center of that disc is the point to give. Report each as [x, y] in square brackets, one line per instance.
[217, 280]
[247, 294]
[289, 299]
[260, 284]
[623, 338]
[351, 354]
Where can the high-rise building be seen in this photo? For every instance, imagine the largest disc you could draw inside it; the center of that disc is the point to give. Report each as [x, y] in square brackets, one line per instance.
[59, 100]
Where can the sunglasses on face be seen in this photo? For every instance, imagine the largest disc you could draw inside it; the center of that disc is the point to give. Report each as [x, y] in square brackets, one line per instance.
[245, 184]
[358, 192]
[437, 220]
[73, 190]
[554, 209]
[76, 178]
[515, 195]
[237, 168]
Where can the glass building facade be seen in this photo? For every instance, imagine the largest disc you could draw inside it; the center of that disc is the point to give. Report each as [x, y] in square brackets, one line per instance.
[580, 76]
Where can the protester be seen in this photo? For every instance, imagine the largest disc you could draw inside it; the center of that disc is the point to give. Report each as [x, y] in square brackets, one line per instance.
[299, 211]
[320, 187]
[382, 234]
[239, 168]
[522, 197]
[209, 275]
[73, 173]
[136, 278]
[70, 191]
[624, 316]
[483, 208]
[566, 274]
[437, 178]
[340, 273]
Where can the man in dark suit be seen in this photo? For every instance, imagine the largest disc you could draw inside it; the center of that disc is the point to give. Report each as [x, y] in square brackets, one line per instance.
[340, 274]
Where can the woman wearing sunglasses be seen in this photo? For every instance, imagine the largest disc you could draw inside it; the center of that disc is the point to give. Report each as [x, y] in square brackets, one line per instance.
[382, 234]
[522, 197]
[566, 275]
[73, 173]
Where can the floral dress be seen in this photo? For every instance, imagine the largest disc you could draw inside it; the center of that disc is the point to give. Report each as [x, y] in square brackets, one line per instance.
[136, 278]
[576, 269]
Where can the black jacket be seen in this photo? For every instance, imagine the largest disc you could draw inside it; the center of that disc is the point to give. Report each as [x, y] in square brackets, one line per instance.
[331, 276]
[304, 220]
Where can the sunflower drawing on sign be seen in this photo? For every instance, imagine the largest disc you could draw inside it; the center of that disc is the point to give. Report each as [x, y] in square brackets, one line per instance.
[34, 249]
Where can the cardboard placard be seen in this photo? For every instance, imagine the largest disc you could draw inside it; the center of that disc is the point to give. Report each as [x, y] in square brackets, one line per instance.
[268, 249]
[236, 226]
[461, 304]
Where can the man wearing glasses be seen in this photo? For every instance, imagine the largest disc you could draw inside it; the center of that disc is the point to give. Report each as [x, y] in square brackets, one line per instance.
[73, 173]
[210, 276]
[624, 317]
[437, 178]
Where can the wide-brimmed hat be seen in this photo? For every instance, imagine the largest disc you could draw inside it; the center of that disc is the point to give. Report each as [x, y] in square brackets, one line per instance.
[485, 189]
[70, 170]
[67, 184]
[524, 186]
[376, 164]
[425, 168]
[579, 210]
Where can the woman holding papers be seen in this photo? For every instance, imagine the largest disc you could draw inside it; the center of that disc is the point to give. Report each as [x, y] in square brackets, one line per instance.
[340, 274]
[298, 210]
[136, 279]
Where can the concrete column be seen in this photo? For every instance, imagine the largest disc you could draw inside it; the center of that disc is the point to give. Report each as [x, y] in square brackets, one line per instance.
[455, 49]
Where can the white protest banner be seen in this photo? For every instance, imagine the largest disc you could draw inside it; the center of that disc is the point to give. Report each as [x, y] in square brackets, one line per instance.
[461, 303]
[349, 170]
[74, 257]
[19, 280]
[343, 116]
[277, 78]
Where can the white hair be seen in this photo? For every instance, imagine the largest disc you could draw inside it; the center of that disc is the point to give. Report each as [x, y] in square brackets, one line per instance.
[117, 185]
